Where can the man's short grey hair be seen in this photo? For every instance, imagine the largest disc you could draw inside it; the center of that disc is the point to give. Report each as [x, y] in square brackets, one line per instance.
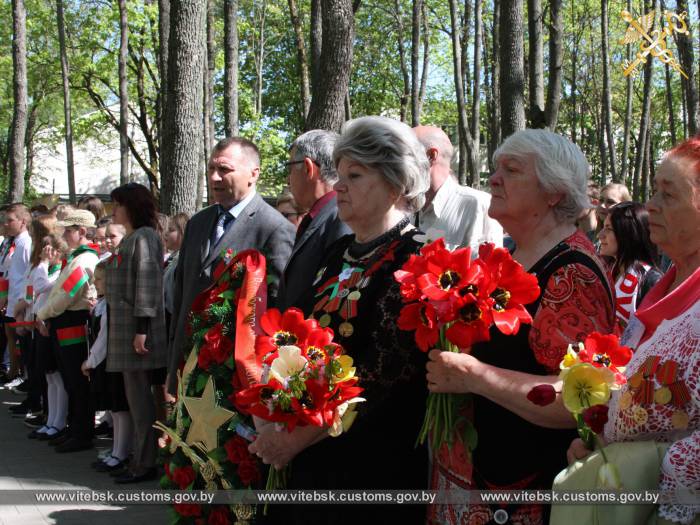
[318, 145]
[392, 148]
[560, 166]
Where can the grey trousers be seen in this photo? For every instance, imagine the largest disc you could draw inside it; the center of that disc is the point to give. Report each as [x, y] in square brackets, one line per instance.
[137, 386]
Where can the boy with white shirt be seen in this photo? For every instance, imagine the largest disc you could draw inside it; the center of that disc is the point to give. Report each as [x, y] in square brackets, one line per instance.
[17, 218]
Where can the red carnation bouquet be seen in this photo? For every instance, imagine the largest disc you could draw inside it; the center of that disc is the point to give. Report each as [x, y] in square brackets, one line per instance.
[451, 303]
[307, 379]
[588, 376]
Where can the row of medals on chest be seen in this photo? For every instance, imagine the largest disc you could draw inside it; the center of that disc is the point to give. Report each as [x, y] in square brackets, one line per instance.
[641, 392]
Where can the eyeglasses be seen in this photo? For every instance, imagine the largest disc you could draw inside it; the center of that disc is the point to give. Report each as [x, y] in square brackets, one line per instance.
[292, 162]
[287, 215]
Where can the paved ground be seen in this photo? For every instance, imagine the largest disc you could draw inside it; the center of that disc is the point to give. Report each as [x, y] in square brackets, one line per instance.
[27, 464]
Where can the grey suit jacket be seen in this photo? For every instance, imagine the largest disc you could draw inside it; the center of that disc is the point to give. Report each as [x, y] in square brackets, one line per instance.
[308, 252]
[258, 227]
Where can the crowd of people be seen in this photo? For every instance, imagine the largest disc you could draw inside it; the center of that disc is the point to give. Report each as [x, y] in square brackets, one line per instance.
[96, 309]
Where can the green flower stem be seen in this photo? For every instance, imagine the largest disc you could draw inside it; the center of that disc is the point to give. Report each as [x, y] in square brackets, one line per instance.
[276, 480]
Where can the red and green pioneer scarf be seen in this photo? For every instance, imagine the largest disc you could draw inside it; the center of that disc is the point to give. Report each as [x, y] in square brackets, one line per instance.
[72, 335]
[75, 281]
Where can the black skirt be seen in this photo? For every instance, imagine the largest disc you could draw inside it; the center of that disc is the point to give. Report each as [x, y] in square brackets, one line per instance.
[107, 389]
[44, 356]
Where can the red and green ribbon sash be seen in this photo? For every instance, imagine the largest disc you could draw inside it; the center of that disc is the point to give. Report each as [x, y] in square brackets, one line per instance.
[75, 281]
[4, 287]
[71, 335]
[55, 268]
[29, 294]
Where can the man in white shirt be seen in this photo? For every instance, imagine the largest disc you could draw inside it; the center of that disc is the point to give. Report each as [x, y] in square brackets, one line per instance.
[459, 212]
[17, 218]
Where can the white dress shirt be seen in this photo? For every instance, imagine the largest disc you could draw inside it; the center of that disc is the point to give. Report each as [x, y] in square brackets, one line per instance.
[18, 270]
[461, 213]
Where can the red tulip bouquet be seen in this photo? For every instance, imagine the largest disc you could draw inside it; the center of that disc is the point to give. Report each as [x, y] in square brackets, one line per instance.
[451, 302]
[588, 376]
[307, 379]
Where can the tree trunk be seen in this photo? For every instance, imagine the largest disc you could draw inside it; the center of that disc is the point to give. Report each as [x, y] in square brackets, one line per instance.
[426, 58]
[316, 40]
[163, 38]
[687, 60]
[231, 67]
[123, 95]
[403, 101]
[209, 71]
[327, 105]
[669, 103]
[496, 133]
[183, 120]
[415, 57]
[624, 175]
[29, 138]
[607, 102]
[301, 57]
[259, 58]
[465, 137]
[208, 93]
[644, 123]
[476, 95]
[535, 63]
[556, 59]
[684, 114]
[513, 73]
[16, 148]
[65, 72]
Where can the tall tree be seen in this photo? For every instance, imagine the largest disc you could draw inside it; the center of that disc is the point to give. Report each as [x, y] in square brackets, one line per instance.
[415, 64]
[316, 39]
[669, 104]
[644, 121]
[465, 137]
[556, 60]
[65, 72]
[625, 169]
[209, 50]
[182, 136]
[231, 67]
[607, 102]
[19, 92]
[404, 99]
[301, 57]
[687, 60]
[327, 109]
[259, 53]
[476, 94]
[123, 95]
[495, 133]
[512, 67]
[535, 62]
[163, 39]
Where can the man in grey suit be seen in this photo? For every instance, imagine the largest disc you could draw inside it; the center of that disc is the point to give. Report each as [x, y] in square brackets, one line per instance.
[240, 220]
[311, 178]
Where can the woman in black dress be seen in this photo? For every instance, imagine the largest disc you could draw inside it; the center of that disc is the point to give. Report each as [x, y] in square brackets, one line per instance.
[383, 176]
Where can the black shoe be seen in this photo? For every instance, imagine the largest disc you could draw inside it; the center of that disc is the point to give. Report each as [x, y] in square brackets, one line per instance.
[35, 434]
[47, 437]
[74, 445]
[128, 477]
[35, 421]
[60, 438]
[103, 429]
[111, 468]
[20, 410]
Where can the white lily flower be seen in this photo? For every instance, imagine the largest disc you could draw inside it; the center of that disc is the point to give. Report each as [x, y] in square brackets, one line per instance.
[289, 362]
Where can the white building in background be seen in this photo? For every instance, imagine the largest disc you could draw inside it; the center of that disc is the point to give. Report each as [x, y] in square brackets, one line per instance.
[96, 163]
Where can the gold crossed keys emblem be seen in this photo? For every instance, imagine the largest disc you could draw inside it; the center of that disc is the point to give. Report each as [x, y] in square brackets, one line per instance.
[652, 42]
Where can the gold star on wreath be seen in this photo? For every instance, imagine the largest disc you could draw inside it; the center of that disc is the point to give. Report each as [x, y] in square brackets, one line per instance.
[206, 416]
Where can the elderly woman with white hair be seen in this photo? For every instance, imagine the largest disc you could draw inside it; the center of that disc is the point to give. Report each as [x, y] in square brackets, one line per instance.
[537, 192]
[383, 174]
